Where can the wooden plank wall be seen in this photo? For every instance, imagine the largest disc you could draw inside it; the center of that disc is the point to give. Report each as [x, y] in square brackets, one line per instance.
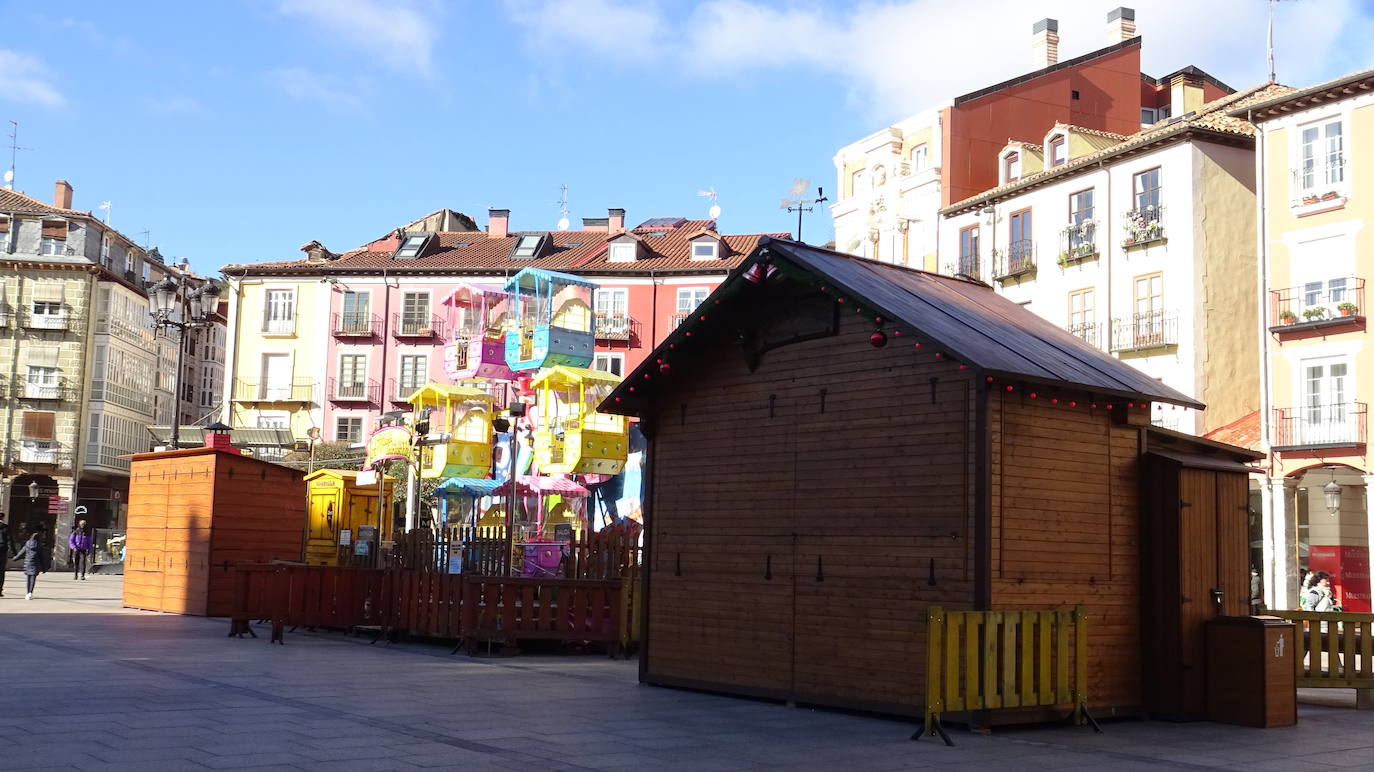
[260, 512]
[1065, 528]
[170, 505]
[805, 516]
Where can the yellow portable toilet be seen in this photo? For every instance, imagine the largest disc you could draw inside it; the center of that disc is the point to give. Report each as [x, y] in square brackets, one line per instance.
[461, 417]
[571, 437]
[339, 504]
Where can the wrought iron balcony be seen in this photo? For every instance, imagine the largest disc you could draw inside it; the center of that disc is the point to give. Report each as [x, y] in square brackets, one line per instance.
[279, 326]
[1316, 305]
[1143, 226]
[967, 265]
[613, 326]
[348, 324]
[1089, 332]
[1337, 425]
[47, 321]
[1018, 259]
[678, 319]
[415, 326]
[1318, 181]
[353, 391]
[1078, 243]
[46, 454]
[264, 390]
[401, 391]
[36, 391]
[1141, 332]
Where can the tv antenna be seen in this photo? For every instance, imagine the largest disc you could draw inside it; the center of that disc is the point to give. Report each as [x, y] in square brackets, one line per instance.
[1273, 78]
[714, 211]
[14, 152]
[146, 234]
[108, 208]
[563, 208]
[802, 205]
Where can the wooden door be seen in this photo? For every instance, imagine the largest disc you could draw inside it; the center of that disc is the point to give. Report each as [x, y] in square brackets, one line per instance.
[325, 522]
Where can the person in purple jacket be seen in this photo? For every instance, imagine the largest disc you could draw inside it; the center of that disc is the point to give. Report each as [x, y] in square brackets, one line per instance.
[81, 545]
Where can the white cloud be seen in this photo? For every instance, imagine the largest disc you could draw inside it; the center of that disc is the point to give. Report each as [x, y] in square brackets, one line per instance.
[902, 56]
[308, 86]
[399, 33]
[27, 79]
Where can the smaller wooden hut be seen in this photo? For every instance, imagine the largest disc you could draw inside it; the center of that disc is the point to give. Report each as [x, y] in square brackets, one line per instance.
[339, 506]
[837, 445]
[194, 514]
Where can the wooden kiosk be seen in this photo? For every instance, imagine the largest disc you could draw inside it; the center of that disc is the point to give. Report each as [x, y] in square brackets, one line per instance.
[194, 514]
[838, 445]
[338, 504]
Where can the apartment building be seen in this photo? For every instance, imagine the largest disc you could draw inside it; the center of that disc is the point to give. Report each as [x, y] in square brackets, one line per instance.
[1138, 245]
[78, 363]
[1316, 199]
[892, 183]
[324, 345]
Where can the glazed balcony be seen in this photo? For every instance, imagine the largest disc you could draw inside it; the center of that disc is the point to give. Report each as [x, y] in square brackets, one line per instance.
[1331, 305]
[1316, 427]
[353, 391]
[1078, 243]
[1143, 332]
[1143, 226]
[353, 325]
[415, 326]
[1018, 259]
[262, 390]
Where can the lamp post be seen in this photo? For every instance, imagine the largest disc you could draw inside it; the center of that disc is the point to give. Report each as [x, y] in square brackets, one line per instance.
[168, 311]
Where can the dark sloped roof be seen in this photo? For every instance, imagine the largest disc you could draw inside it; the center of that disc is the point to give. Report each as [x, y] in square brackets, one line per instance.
[967, 319]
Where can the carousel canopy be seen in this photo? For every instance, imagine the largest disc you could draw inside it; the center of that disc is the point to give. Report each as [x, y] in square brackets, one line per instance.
[528, 486]
[529, 278]
[467, 486]
[577, 374]
[439, 392]
[490, 290]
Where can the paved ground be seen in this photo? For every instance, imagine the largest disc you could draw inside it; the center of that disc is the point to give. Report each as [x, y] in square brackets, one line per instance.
[89, 686]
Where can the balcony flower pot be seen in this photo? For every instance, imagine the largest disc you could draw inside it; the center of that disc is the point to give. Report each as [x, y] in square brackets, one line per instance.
[1310, 199]
[1288, 317]
[1329, 195]
[1313, 314]
[1347, 309]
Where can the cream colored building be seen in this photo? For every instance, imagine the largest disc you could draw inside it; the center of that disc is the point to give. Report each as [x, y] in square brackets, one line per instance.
[1315, 163]
[1138, 245]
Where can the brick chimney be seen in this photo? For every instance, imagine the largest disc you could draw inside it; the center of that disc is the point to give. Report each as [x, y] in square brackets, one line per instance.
[1185, 93]
[498, 223]
[1120, 25]
[1044, 43]
[615, 220]
[598, 224]
[62, 195]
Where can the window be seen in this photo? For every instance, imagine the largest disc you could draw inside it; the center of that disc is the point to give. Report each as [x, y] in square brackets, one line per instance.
[919, 157]
[688, 298]
[612, 301]
[1321, 299]
[147, 272]
[1020, 227]
[856, 181]
[273, 421]
[1081, 207]
[705, 249]
[1059, 150]
[5, 226]
[415, 313]
[352, 382]
[623, 252]
[414, 373]
[1021, 246]
[1011, 167]
[1148, 322]
[968, 251]
[1326, 416]
[526, 247]
[354, 318]
[411, 246]
[38, 435]
[54, 238]
[348, 429]
[41, 382]
[105, 251]
[276, 377]
[1145, 186]
[279, 314]
[610, 363]
[1083, 315]
[1322, 157]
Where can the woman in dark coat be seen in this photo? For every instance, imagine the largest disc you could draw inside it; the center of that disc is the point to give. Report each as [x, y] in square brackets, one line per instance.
[34, 562]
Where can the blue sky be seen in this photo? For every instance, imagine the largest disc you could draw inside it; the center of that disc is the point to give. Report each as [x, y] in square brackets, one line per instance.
[237, 131]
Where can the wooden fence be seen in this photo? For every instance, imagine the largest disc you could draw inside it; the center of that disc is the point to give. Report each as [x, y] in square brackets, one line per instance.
[466, 608]
[985, 660]
[1335, 648]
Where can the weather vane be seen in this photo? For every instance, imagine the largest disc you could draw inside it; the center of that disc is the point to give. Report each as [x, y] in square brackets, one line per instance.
[802, 205]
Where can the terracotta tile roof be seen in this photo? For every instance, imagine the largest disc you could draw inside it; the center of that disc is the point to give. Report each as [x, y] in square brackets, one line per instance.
[1344, 87]
[1086, 130]
[1243, 432]
[12, 201]
[1212, 117]
[582, 251]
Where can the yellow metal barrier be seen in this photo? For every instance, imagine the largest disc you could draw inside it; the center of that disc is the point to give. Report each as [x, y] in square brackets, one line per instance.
[984, 660]
[1335, 648]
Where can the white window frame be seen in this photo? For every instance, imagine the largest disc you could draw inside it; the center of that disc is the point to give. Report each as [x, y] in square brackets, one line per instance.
[50, 246]
[425, 321]
[362, 425]
[1309, 431]
[422, 373]
[712, 248]
[920, 157]
[360, 383]
[602, 361]
[1049, 149]
[1322, 181]
[622, 252]
[7, 238]
[1011, 166]
[283, 327]
[683, 292]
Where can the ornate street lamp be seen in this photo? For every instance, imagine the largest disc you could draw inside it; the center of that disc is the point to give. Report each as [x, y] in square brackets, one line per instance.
[1332, 492]
[168, 312]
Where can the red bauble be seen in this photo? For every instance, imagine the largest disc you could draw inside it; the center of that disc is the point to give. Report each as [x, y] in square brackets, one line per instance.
[665, 368]
[878, 339]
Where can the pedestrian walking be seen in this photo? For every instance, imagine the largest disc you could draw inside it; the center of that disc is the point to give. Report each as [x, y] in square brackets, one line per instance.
[6, 547]
[81, 545]
[1319, 597]
[35, 562]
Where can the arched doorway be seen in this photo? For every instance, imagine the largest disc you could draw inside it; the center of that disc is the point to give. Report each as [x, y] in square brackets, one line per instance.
[28, 508]
[1331, 519]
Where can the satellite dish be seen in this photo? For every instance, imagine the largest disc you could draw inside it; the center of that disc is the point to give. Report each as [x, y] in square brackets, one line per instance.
[9, 175]
[714, 211]
[562, 223]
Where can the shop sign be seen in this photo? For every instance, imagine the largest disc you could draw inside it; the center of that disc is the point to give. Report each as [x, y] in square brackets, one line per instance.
[345, 537]
[388, 443]
[367, 477]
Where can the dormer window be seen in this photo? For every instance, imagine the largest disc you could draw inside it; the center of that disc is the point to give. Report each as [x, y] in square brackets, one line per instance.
[1011, 167]
[706, 249]
[1058, 150]
[412, 246]
[529, 246]
[622, 252]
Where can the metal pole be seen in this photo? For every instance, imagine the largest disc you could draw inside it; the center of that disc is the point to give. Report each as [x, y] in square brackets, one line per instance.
[176, 398]
[800, 209]
[510, 506]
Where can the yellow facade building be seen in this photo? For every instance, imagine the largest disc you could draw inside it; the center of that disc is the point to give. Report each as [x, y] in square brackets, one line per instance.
[1316, 199]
